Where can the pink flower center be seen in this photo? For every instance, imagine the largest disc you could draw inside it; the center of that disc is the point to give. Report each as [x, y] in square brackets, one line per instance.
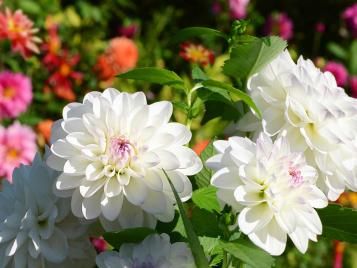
[121, 150]
[296, 177]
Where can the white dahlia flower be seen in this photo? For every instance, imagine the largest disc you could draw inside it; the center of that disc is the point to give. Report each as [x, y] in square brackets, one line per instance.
[111, 149]
[154, 251]
[273, 188]
[37, 229]
[319, 117]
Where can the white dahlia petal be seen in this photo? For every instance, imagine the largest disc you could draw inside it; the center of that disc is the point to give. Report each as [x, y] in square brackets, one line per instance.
[112, 148]
[316, 116]
[37, 228]
[154, 251]
[274, 190]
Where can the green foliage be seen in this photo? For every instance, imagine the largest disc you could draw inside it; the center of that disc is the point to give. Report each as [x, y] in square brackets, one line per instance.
[196, 248]
[203, 178]
[234, 93]
[132, 235]
[195, 32]
[339, 223]
[206, 198]
[250, 54]
[204, 223]
[155, 75]
[248, 253]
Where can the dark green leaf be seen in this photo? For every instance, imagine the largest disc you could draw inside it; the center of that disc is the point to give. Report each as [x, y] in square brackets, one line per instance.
[234, 93]
[196, 248]
[132, 235]
[248, 253]
[339, 223]
[155, 75]
[206, 198]
[167, 227]
[194, 32]
[204, 223]
[203, 178]
[250, 54]
[353, 58]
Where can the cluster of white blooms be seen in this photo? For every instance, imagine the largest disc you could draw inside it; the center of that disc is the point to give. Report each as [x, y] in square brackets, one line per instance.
[273, 188]
[154, 251]
[111, 150]
[107, 159]
[320, 119]
[37, 228]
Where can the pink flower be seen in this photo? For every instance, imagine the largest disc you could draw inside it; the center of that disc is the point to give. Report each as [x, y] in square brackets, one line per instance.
[320, 27]
[353, 86]
[18, 28]
[238, 8]
[279, 24]
[350, 18]
[99, 244]
[339, 71]
[128, 31]
[15, 94]
[17, 146]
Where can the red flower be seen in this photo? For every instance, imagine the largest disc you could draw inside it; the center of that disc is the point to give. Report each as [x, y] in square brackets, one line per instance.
[196, 53]
[18, 28]
[63, 76]
[60, 63]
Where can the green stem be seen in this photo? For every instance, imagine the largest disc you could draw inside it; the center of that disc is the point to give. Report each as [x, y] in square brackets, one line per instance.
[225, 260]
[189, 104]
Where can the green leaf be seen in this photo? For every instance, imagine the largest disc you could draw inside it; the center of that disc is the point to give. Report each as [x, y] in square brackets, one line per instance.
[248, 253]
[203, 178]
[132, 235]
[212, 248]
[353, 58]
[198, 75]
[155, 75]
[250, 54]
[204, 223]
[196, 248]
[339, 223]
[167, 227]
[337, 50]
[206, 198]
[181, 105]
[235, 93]
[194, 32]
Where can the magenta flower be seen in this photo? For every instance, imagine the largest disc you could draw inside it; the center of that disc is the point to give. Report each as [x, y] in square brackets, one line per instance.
[238, 8]
[17, 146]
[339, 72]
[353, 86]
[99, 244]
[128, 31]
[15, 94]
[279, 24]
[350, 18]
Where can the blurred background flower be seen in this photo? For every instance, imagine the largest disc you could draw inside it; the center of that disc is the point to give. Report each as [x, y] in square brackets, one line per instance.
[17, 146]
[15, 94]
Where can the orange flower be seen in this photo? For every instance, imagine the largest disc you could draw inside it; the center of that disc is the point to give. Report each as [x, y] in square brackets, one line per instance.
[120, 56]
[44, 129]
[196, 53]
[200, 146]
[18, 28]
